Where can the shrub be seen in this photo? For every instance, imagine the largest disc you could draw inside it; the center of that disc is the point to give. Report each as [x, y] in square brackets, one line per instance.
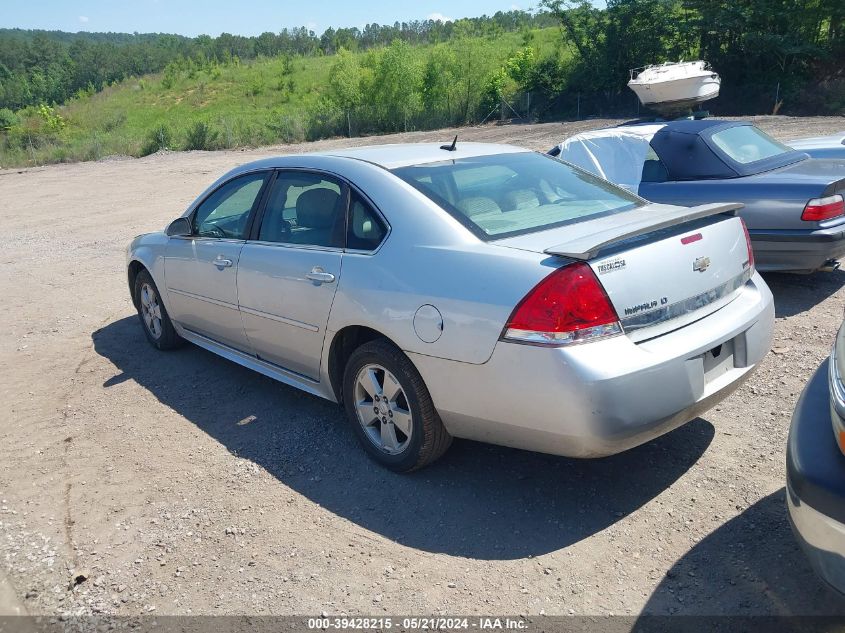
[23, 137]
[158, 138]
[87, 91]
[7, 119]
[201, 136]
[287, 65]
[255, 87]
[54, 121]
[92, 149]
[171, 74]
[287, 128]
[114, 121]
[324, 120]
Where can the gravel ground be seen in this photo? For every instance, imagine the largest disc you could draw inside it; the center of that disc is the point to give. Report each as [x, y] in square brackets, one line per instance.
[133, 481]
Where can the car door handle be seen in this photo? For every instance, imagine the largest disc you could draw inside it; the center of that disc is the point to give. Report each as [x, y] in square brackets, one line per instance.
[222, 262]
[320, 276]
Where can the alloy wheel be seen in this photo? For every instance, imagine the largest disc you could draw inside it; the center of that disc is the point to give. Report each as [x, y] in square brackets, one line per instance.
[383, 409]
[151, 310]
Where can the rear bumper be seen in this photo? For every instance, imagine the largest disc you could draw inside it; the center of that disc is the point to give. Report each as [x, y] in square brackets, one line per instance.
[603, 397]
[797, 251]
[815, 482]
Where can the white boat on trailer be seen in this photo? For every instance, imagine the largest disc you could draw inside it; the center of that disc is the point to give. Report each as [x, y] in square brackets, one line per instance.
[674, 86]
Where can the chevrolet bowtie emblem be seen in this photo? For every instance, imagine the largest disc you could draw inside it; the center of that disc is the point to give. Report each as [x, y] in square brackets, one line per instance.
[701, 264]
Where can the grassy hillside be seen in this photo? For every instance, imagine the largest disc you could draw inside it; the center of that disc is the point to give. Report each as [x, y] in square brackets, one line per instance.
[270, 100]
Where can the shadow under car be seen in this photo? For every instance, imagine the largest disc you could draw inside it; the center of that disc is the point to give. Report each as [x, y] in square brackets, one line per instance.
[795, 294]
[478, 501]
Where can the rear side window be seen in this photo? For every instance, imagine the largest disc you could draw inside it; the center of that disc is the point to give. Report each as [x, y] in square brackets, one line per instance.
[511, 194]
[305, 209]
[653, 168]
[365, 229]
[747, 144]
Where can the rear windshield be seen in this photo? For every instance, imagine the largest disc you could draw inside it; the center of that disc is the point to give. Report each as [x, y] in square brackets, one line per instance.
[510, 194]
[747, 144]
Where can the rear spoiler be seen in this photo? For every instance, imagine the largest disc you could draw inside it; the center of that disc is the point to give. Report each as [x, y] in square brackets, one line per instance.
[598, 234]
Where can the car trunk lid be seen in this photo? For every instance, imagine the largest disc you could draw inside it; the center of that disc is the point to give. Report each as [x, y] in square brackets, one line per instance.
[661, 266]
[827, 174]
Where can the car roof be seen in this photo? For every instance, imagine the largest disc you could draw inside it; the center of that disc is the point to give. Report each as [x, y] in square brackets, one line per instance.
[405, 154]
[648, 129]
[694, 126]
[386, 156]
[682, 126]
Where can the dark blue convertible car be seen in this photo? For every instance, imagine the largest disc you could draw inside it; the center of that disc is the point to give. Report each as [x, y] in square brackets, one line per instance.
[794, 206]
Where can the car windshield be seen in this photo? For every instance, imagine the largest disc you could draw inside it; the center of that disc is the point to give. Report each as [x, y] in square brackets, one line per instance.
[509, 194]
[747, 144]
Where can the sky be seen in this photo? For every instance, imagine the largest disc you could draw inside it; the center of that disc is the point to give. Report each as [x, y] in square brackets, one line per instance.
[245, 17]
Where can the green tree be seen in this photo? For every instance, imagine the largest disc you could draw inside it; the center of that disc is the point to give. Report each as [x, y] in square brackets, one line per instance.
[520, 66]
[439, 85]
[345, 90]
[475, 63]
[398, 86]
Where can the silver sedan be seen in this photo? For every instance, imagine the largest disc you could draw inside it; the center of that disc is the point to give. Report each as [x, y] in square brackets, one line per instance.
[470, 290]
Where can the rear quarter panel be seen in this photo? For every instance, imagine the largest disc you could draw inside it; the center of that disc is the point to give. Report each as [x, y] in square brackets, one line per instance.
[474, 287]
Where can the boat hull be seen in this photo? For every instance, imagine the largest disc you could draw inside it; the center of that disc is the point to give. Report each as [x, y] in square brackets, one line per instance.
[677, 93]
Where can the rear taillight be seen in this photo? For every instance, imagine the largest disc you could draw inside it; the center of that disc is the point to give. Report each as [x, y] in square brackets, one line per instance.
[748, 244]
[820, 209]
[568, 306]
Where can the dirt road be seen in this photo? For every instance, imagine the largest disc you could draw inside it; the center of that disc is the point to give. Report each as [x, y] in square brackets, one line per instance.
[181, 483]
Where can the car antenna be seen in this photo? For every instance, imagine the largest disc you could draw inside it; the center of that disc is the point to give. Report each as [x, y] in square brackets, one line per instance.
[452, 147]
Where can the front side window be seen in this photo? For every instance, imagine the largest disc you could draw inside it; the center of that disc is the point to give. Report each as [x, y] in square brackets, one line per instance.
[225, 213]
[304, 208]
[747, 144]
[510, 194]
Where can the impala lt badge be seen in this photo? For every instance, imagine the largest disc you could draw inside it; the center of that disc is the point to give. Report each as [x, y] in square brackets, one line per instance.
[701, 264]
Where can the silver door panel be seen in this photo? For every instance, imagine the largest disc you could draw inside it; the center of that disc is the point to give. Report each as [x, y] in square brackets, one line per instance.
[285, 295]
[201, 277]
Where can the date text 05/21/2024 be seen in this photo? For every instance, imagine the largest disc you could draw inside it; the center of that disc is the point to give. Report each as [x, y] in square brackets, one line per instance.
[417, 623]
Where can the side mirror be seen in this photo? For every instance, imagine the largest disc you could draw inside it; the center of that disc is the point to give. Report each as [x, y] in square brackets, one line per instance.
[180, 227]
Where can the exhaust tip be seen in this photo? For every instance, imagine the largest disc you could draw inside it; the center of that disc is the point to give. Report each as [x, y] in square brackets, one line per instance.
[830, 266]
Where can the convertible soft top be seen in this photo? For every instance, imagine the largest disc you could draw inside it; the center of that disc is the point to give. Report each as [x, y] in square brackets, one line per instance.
[615, 154]
[655, 152]
[684, 150]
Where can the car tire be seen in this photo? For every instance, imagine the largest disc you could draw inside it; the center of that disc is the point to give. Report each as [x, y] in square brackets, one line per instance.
[155, 321]
[390, 408]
